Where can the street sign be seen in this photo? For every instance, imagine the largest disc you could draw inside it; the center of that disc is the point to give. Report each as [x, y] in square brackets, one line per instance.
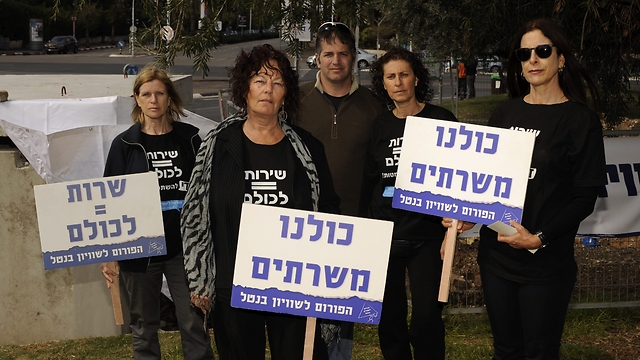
[121, 44]
[130, 69]
[218, 25]
[133, 28]
[167, 33]
[73, 18]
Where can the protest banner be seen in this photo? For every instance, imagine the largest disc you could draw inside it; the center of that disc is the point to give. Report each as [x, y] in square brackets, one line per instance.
[100, 220]
[311, 264]
[617, 208]
[462, 171]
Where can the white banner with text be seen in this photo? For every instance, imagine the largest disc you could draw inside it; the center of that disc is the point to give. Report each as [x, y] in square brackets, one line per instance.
[98, 220]
[463, 171]
[311, 264]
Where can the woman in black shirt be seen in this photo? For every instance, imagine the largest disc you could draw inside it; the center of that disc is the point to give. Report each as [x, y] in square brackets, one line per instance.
[400, 78]
[528, 277]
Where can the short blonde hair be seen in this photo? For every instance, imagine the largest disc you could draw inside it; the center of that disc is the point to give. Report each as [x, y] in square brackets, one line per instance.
[151, 73]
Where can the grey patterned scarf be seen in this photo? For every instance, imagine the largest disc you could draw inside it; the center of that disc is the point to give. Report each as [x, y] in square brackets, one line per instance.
[195, 221]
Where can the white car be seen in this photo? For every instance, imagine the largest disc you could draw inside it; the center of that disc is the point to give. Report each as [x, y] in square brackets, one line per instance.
[365, 59]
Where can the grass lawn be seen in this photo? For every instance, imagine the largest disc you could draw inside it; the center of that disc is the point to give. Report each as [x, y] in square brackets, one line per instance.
[598, 334]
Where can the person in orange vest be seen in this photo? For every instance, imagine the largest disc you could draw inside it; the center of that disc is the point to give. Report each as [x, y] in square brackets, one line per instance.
[462, 80]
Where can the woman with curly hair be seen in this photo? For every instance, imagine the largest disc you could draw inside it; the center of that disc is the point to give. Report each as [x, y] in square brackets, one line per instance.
[257, 140]
[401, 79]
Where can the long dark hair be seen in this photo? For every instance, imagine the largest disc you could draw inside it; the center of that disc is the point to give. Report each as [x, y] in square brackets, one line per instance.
[572, 79]
[250, 63]
[423, 91]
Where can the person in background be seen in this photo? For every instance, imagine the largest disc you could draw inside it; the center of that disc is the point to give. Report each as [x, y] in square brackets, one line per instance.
[462, 80]
[471, 78]
[400, 78]
[339, 112]
[528, 277]
[156, 129]
[258, 139]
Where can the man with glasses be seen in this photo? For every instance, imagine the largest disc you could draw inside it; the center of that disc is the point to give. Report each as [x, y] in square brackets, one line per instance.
[339, 112]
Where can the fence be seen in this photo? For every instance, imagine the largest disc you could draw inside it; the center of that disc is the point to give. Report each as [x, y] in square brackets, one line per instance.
[608, 275]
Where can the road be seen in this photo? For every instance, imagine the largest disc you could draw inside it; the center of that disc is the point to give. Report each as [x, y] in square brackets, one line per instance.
[108, 61]
[206, 102]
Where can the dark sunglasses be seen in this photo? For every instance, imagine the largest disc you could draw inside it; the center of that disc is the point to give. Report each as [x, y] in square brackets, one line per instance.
[542, 51]
[328, 26]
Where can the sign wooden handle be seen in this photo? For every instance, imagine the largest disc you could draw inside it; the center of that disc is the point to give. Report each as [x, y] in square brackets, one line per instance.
[309, 337]
[115, 295]
[447, 265]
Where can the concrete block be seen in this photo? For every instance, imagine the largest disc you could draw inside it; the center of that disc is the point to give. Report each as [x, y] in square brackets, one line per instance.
[39, 305]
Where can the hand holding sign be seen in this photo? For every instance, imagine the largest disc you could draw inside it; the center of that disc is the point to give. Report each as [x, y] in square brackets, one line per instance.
[469, 172]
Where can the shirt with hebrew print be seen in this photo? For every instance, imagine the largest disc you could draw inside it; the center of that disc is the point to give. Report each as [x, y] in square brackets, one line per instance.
[268, 181]
[166, 157]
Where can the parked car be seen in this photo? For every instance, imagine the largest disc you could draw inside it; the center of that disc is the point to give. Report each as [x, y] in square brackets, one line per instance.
[490, 63]
[62, 45]
[365, 59]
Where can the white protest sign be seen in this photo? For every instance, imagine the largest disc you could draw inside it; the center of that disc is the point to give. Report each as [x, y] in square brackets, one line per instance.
[617, 208]
[463, 171]
[311, 264]
[98, 220]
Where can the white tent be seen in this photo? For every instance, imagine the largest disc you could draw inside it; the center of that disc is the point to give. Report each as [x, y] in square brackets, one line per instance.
[69, 139]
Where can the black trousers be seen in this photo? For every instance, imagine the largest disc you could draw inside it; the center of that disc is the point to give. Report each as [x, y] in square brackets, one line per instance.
[144, 293]
[426, 329]
[526, 320]
[240, 333]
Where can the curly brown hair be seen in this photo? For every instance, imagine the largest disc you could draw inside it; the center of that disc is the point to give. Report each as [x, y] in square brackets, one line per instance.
[423, 91]
[249, 64]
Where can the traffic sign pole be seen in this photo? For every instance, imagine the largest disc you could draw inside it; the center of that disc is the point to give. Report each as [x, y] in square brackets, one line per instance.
[132, 36]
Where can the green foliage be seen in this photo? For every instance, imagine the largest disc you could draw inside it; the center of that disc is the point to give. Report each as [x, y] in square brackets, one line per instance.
[599, 31]
[477, 110]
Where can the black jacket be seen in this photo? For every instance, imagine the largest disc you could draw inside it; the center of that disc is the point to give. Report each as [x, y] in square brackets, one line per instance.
[228, 187]
[128, 156]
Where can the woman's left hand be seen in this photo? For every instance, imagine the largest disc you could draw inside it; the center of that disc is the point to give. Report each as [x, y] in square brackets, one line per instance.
[202, 302]
[522, 239]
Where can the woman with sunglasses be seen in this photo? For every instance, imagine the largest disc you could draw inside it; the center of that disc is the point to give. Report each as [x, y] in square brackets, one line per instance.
[400, 78]
[528, 277]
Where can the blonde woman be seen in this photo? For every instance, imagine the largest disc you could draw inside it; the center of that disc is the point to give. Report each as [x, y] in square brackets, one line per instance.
[156, 129]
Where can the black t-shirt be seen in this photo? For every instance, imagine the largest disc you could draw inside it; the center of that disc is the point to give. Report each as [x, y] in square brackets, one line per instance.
[172, 160]
[381, 168]
[568, 153]
[267, 179]
[336, 101]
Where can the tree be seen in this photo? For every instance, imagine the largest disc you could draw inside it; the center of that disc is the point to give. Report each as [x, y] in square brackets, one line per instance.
[599, 30]
[87, 15]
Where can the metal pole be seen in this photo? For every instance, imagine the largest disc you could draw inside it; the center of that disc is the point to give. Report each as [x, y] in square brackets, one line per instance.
[168, 13]
[133, 25]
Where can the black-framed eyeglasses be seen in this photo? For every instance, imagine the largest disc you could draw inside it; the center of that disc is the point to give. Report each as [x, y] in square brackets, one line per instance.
[542, 51]
[331, 25]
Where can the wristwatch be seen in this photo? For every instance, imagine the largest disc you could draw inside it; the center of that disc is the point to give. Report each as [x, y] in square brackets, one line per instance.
[543, 239]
